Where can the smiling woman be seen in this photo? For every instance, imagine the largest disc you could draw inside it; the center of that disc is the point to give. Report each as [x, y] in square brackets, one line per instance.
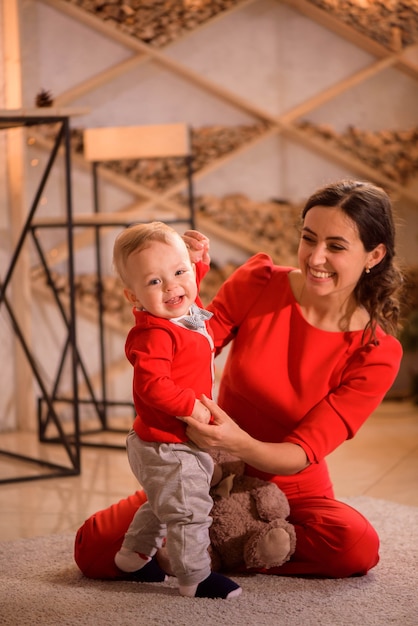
[312, 355]
[357, 231]
[331, 266]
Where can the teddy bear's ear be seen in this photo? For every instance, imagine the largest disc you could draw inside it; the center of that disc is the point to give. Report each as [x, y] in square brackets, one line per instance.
[217, 475]
[224, 488]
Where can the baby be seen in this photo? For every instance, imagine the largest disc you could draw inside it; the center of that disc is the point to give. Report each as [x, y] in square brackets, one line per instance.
[171, 350]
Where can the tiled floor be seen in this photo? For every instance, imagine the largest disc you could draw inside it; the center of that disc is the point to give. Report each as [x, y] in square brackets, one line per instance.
[381, 461]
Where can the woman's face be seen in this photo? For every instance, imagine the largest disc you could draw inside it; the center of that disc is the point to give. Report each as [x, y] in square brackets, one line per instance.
[331, 254]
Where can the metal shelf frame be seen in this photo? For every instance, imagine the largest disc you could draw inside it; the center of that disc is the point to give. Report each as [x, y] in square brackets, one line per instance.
[70, 443]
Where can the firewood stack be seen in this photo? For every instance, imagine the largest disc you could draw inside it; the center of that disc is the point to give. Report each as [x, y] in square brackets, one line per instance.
[156, 22]
[269, 226]
[394, 153]
[208, 144]
[393, 23]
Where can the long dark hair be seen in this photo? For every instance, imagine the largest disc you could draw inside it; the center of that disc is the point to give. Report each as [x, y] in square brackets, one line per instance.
[370, 208]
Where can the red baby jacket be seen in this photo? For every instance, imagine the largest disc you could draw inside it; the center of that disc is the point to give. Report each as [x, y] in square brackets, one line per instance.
[172, 367]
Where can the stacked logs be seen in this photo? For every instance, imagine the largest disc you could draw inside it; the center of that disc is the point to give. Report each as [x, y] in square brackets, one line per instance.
[392, 23]
[208, 144]
[394, 153]
[156, 22]
[269, 226]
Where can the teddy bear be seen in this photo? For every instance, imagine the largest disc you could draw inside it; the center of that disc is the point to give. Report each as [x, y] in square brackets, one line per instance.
[249, 527]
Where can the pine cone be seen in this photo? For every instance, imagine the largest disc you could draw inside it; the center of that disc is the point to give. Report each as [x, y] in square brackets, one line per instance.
[44, 99]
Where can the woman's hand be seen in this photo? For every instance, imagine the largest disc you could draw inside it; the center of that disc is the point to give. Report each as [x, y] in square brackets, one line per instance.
[198, 246]
[222, 432]
[273, 458]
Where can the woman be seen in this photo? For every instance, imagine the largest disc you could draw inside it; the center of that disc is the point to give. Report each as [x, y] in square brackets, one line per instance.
[313, 355]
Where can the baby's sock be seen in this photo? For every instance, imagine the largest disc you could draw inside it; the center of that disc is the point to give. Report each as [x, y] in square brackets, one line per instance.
[130, 561]
[214, 586]
[150, 573]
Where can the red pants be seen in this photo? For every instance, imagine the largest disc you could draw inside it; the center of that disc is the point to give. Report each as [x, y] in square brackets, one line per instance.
[333, 539]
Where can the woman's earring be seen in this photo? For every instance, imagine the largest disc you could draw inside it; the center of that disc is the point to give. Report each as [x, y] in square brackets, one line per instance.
[367, 270]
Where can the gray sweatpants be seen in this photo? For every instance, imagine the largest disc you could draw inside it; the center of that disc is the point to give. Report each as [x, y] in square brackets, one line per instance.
[176, 478]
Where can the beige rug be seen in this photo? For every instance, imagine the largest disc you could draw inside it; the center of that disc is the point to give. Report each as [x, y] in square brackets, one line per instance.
[41, 585]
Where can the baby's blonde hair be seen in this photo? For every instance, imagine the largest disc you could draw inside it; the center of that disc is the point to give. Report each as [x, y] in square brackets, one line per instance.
[136, 238]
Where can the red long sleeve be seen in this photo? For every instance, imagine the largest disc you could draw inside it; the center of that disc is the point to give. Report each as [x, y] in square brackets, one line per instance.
[286, 380]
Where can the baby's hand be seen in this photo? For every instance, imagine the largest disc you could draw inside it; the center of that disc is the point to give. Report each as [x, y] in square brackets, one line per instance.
[198, 245]
[200, 413]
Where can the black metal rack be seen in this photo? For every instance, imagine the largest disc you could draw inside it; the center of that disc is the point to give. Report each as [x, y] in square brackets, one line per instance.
[60, 118]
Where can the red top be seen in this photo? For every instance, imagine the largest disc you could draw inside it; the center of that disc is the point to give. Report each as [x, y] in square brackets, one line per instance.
[286, 380]
[172, 367]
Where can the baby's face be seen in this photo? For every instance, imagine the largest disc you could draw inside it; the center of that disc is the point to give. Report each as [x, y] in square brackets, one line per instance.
[162, 279]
